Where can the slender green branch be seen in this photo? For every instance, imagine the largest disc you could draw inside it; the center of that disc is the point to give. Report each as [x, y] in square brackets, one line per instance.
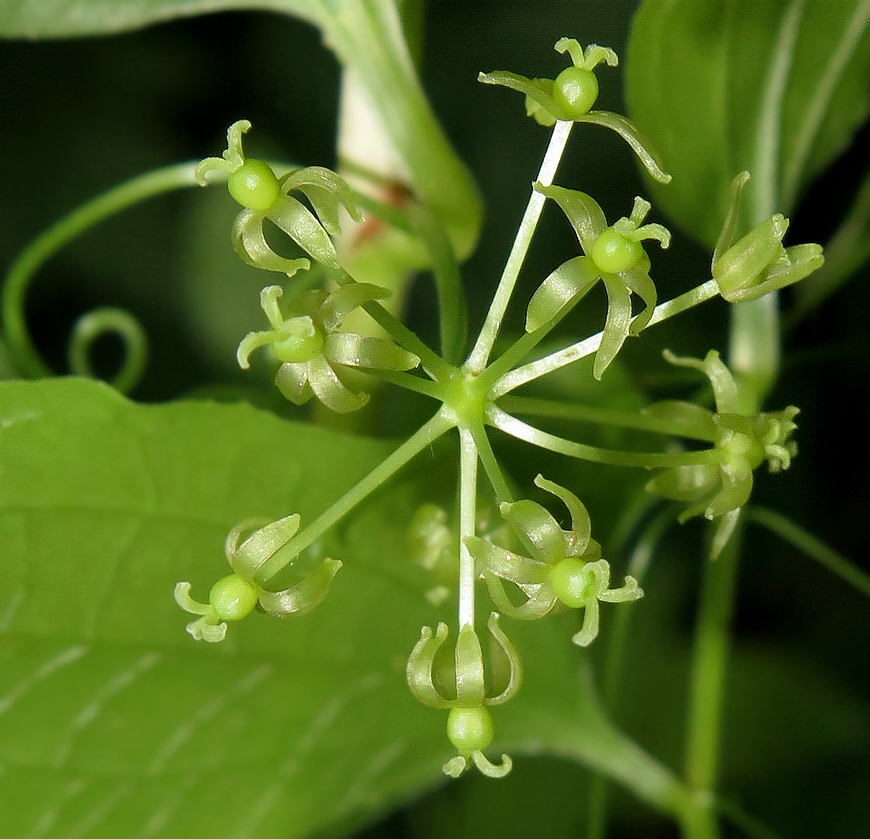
[490, 464]
[592, 413]
[404, 337]
[557, 360]
[638, 563]
[489, 331]
[453, 317]
[24, 353]
[467, 524]
[648, 460]
[425, 436]
[814, 548]
[709, 659]
[408, 381]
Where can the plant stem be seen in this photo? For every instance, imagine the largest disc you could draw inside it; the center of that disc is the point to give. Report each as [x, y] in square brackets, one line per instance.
[425, 436]
[490, 464]
[485, 341]
[467, 520]
[706, 690]
[592, 413]
[452, 313]
[555, 361]
[408, 381]
[404, 337]
[649, 460]
[790, 531]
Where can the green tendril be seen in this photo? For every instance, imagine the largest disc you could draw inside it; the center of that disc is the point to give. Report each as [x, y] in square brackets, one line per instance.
[24, 354]
[91, 326]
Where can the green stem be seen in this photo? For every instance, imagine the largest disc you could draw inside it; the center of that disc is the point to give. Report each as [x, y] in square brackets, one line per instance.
[638, 564]
[486, 339]
[453, 318]
[814, 548]
[649, 460]
[425, 436]
[706, 691]
[490, 464]
[467, 524]
[23, 352]
[409, 382]
[404, 337]
[592, 413]
[557, 360]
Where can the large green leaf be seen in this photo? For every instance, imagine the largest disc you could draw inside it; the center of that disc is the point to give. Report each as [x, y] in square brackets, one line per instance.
[113, 722]
[777, 87]
[367, 37]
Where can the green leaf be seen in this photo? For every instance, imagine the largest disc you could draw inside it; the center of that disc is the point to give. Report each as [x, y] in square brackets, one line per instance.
[113, 722]
[777, 87]
[368, 39]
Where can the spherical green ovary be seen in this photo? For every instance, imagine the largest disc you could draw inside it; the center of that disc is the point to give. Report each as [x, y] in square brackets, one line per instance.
[303, 342]
[575, 91]
[570, 581]
[254, 185]
[233, 598]
[613, 253]
[470, 729]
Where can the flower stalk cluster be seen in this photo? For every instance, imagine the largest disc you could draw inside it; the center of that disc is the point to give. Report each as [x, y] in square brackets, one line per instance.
[533, 566]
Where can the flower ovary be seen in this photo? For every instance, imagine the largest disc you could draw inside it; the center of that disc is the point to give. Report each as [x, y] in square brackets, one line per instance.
[614, 253]
[570, 582]
[233, 598]
[302, 342]
[470, 729]
[575, 90]
[254, 185]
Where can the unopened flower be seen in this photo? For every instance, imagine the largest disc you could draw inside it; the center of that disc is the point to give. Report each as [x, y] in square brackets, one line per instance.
[758, 263]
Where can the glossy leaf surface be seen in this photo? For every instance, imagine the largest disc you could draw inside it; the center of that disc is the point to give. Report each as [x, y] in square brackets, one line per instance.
[114, 722]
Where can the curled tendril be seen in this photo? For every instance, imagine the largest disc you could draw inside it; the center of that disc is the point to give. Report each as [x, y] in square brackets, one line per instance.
[23, 353]
[91, 326]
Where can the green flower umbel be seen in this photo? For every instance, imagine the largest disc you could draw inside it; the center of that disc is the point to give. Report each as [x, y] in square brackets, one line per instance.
[565, 566]
[237, 595]
[461, 686]
[742, 442]
[613, 255]
[308, 344]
